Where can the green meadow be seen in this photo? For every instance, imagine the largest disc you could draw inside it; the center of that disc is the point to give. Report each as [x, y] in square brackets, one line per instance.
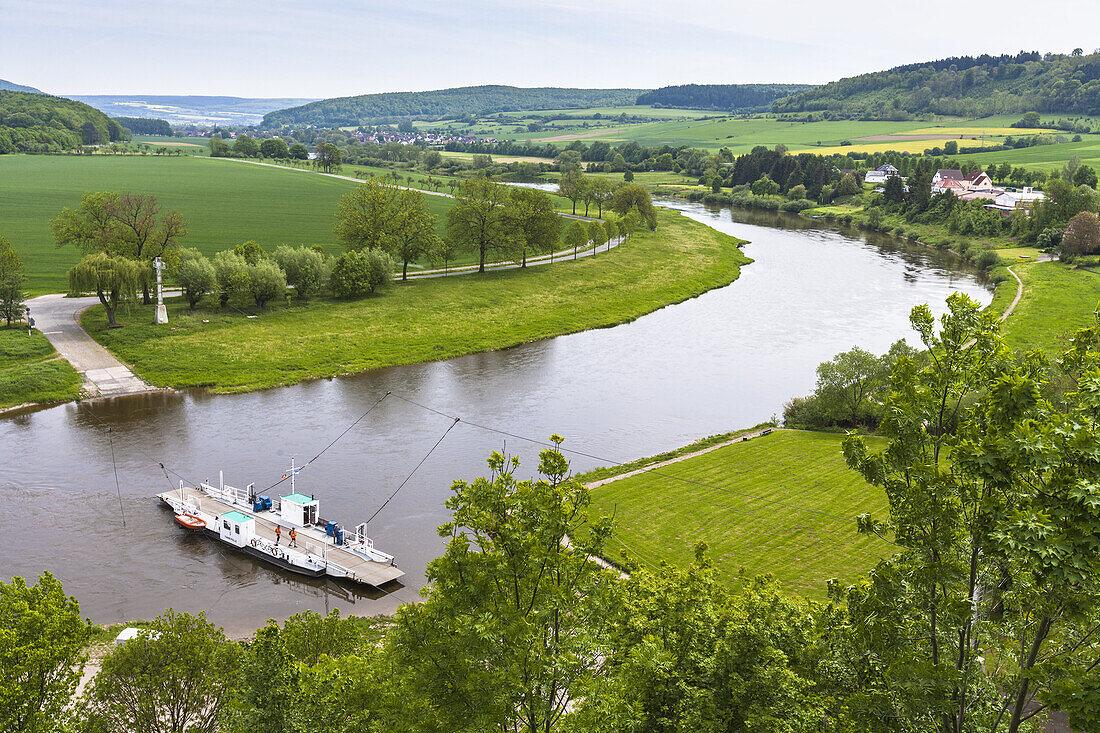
[31, 371]
[223, 203]
[1045, 157]
[1058, 301]
[784, 504]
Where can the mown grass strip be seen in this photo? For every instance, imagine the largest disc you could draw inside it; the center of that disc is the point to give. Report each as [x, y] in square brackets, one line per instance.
[31, 371]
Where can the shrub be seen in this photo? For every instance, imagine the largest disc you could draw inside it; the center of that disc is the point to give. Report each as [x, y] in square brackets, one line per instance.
[899, 231]
[266, 282]
[231, 274]
[359, 273]
[797, 205]
[797, 192]
[306, 269]
[197, 277]
[986, 259]
[874, 217]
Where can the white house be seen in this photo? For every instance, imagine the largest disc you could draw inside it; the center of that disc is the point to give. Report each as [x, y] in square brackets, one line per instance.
[945, 174]
[978, 181]
[1010, 200]
[880, 174]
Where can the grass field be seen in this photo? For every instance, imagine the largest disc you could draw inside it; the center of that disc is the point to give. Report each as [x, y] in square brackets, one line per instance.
[223, 204]
[1058, 300]
[784, 504]
[424, 320]
[1045, 157]
[31, 371]
[186, 145]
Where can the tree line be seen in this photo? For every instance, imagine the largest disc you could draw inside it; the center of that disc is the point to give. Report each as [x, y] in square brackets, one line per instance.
[39, 123]
[983, 617]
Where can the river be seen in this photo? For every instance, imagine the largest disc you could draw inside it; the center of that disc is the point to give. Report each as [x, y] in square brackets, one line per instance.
[725, 360]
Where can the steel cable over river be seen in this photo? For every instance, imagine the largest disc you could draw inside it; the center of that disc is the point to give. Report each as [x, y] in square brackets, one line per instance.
[725, 360]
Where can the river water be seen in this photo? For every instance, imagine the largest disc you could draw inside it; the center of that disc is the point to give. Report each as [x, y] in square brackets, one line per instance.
[725, 360]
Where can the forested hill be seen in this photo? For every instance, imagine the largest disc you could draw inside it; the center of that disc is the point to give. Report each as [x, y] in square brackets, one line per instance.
[724, 97]
[370, 109]
[966, 85]
[9, 86]
[39, 123]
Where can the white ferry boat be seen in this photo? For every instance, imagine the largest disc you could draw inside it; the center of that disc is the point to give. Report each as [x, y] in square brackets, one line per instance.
[287, 531]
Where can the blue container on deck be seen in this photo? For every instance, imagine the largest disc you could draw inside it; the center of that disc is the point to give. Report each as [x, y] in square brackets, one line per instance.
[261, 503]
[332, 529]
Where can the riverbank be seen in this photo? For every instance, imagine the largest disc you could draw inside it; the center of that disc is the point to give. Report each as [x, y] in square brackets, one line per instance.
[427, 320]
[783, 503]
[32, 372]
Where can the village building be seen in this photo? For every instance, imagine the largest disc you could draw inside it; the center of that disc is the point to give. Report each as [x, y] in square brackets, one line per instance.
[1010, 200]
[880, 174]
[945, 174]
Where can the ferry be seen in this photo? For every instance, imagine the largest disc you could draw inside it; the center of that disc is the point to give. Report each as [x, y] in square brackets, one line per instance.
[286, 531]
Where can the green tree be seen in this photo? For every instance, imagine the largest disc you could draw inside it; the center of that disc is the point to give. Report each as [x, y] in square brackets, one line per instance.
[121, 224]
[478, 222]
[11, 283]
[985, 615]
[848, 185]
[894, 190]
[231, 271]
[431, 159]
[328, 157]
[532, 222]
[572, 185]
[765, 186]
[1085, 176]
[412, 232]
[175, 678]
[266, 282]
[575, 236]
[274, 147]
[110, 278]
[309, 636]
[196, 276]
[298, 152]
[951, 147]
[505, 636]
[42, 641]
[632, 197]
[359, 273]
[444, 252]
[251, 252]
[246, 147]
[305, 268]
[267, 687]
[847, 381]
[596, 234]
[366, 216]
[611, 230]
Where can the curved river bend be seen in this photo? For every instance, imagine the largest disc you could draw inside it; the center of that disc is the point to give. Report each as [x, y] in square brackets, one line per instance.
[725, 360]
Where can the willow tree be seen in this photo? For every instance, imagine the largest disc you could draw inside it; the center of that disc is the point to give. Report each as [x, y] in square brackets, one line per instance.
[110, 278]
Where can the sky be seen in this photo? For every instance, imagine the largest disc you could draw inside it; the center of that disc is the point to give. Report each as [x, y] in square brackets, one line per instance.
[328, 48]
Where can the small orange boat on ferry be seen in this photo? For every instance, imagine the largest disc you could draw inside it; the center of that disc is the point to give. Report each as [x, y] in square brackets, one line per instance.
[190, 521]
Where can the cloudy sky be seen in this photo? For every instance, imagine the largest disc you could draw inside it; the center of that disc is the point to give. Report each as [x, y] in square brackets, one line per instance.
[323, 48]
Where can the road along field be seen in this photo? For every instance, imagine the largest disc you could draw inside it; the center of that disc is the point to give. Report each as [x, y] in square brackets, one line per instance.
[783, 503]
[223, 204]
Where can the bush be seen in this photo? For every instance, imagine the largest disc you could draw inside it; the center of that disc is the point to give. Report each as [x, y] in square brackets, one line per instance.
[306, 269]
[360, 273]
[797, 192]
[197, 277]
[231, 274]
[875, 217]
[986, 259]
[899, 231]
[797, 205]
[266, 282]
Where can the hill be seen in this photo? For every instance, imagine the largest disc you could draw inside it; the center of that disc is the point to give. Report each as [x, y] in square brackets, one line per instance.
[371, 109]
[179, 109]
[967, 86]
[39, 123]
[9, 86]
[723, 97]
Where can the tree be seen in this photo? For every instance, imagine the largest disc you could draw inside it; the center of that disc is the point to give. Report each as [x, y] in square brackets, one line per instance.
[478, 222]
[274, 147]
[298, 152]
[175, 678]
[894, 190]
[600, 191]
[432, 159]
[266, 281]
[412, 232]
[218, 148]
[505, 636]
[611, 230]
[596, 234]
[366, 216]
[305, 269]
[11, 283]
[951, 147]
[110, 278]
[42, 640]
[847, 381]
[572, 185]
[444, 252]
[765, 186]
[196, 276]
[1085, 176]
[359, 273]
[251, 252]
[575, 236]
[532, 221]
[231, 271]
[267, 686]
[246, 147]
[1082, 235]
[632, 197]
[126, 224]
[328, 157]
[985, 613]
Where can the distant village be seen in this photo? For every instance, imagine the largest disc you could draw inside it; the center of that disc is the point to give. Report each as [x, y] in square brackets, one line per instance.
[974, 187]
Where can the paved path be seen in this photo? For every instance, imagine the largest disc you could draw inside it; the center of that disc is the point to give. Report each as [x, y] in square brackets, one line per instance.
[104, 375]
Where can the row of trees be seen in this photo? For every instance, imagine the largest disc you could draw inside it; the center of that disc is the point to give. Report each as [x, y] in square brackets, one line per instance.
[983, 618]
[11, 283]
